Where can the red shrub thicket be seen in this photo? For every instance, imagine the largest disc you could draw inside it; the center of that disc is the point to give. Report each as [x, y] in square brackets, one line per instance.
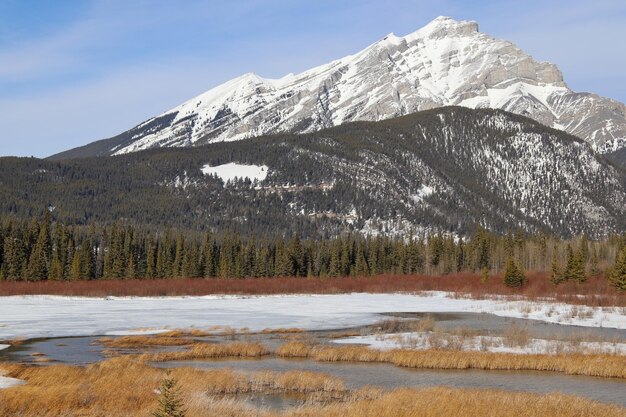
[596, 291]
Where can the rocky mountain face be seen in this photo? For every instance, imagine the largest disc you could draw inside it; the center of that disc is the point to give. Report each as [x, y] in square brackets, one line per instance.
[445, 169]
[447, 62]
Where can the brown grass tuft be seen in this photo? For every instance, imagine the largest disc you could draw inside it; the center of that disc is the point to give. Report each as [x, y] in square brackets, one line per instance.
[210, 351]
[137, 342]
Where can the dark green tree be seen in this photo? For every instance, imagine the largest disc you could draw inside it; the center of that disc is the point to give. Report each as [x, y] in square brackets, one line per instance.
[556, 273]
[618, 273]
[513, 274]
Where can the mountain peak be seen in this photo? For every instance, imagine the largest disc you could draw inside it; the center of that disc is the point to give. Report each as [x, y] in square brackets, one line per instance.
[447, 62]
[445, 26]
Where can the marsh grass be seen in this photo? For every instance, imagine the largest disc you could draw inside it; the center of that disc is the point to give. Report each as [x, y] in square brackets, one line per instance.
[210, 351]
[601, 365]
[124, 387]
[137, 342]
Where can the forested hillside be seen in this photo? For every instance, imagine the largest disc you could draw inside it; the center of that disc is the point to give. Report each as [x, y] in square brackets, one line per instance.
[443, 170]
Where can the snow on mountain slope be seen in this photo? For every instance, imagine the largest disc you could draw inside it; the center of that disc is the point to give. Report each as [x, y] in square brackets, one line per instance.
[233, 171]
[447, 62]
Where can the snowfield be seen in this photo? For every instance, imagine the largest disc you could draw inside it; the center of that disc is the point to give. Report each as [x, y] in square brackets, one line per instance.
[230, 171]
[54, 316]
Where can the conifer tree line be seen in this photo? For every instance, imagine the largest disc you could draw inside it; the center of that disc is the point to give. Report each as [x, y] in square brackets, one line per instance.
[43, 249]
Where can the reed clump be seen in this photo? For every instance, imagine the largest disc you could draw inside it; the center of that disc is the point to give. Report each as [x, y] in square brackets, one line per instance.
[138, 342]
[601, 365]
[210, 351]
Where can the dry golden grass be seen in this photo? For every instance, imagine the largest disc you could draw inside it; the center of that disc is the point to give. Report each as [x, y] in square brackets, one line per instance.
[210, 351]
[281, 330]
[125, 387]
[137, 342]
[445, 402]
[601, 365]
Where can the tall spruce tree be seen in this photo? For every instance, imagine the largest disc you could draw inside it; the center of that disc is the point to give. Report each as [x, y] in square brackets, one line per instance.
[39, 260]
[618, 274]
[556, 273]
[513, 274]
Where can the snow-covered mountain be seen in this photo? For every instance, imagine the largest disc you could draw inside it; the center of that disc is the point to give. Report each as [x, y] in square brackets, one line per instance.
[447, 62]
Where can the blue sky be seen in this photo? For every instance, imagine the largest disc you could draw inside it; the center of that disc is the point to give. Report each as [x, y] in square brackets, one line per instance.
[72, 72]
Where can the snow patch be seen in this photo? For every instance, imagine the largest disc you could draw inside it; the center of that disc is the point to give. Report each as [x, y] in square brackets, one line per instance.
[422, 193]
[233, 170]
[6, 382]
[2, 347]
[429, 340]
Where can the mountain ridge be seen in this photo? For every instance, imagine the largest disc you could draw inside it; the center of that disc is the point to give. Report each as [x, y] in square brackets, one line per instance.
[447, 62]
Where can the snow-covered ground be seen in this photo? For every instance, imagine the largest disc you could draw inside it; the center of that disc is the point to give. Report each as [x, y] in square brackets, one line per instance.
[233, 170]
[428, 340]
[4, 346]
[48, 316]
[10, 382]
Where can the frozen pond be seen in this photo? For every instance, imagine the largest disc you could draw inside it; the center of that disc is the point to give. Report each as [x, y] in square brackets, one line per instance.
[51, 316]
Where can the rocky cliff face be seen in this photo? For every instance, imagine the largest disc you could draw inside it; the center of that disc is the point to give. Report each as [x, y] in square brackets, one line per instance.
[447, 62]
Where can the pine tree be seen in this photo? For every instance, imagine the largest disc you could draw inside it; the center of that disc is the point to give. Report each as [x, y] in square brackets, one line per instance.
[15, 257]
[131, 268]
[75, 269]
[282, 261]
[56, 268]
[618, 274]
[460, 255]
[334, 269]
[191, 263]
[346, 257]
[360, 264]
[179, 256]
[38, 262]
[556, 274]
[208, 259]
[578, 267]
[117, 251]
[170, 404]
[87, 265]
[513, 274]
[296, 257]
[150, 257]
[575, 269]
